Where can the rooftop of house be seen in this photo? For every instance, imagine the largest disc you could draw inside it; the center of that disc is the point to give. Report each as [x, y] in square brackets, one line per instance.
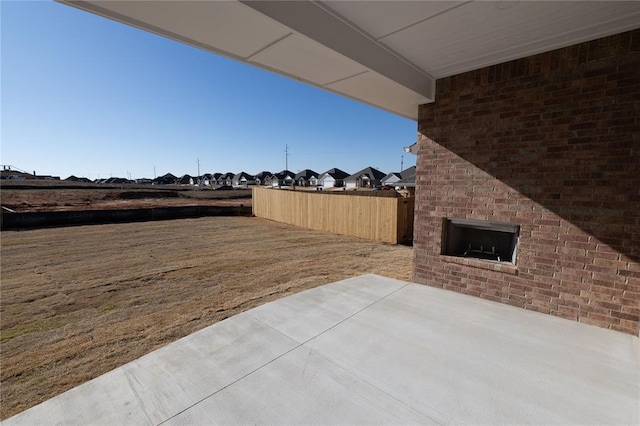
[370, 172]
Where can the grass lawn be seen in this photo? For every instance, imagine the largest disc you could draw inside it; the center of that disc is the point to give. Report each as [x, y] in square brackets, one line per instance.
[77, 302]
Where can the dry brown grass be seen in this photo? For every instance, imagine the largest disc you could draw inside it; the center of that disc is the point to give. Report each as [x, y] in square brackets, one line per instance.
[34, 196]
[77, 302]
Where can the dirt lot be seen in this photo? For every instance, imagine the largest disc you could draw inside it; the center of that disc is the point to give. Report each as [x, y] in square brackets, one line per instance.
[32, 196]
[77, 302]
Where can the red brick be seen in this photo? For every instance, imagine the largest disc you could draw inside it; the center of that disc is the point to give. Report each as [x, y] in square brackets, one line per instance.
[604, 256]
[629, 329]
[604, 323]
[607, 305]
[626, 316]
[631, 295]
[629, 273]
[603, 269]
[631, 309]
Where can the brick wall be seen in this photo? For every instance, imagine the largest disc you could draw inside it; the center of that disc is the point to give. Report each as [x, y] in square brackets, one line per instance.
[550, 142]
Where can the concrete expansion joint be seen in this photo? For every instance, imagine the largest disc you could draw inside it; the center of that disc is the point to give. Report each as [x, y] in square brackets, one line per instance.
[356, 313]
[442, 419]
[260, 367]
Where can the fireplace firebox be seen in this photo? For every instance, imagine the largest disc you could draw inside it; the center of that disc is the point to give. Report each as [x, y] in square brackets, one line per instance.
[485, 240]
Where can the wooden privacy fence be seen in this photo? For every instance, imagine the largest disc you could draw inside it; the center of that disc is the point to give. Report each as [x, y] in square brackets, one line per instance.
[387, 219]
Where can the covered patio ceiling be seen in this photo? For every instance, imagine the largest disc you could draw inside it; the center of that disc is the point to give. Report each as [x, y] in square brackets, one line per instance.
[388, 54]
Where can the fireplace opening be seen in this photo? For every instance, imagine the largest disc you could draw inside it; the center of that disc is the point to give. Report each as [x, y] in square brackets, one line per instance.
[491, 241]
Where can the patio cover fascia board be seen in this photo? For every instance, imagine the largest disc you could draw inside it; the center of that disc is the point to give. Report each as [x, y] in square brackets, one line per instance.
[320, 27]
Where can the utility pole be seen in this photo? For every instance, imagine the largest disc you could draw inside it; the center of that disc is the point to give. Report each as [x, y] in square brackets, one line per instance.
[286, 157]
[198, 167]
[401, 162]
[154, 172]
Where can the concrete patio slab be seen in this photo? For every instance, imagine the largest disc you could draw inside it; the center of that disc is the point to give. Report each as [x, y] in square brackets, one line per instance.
[302, 387]
[483, 363]
[308, 314]
[370, 350]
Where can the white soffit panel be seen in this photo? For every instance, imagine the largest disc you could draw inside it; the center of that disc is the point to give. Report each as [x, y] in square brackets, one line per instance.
[376, 90]
[381, 18]
[298, 56]
[212, 25]
[496, 32]
[323, 25]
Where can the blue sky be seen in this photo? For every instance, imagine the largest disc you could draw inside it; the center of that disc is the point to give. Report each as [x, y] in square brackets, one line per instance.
[91, 97]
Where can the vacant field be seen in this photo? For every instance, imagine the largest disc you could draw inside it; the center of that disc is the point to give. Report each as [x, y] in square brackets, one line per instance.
[32, 196]
[77, 302]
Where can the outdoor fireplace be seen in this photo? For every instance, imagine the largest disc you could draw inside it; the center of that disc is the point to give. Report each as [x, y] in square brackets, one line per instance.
[490, 241]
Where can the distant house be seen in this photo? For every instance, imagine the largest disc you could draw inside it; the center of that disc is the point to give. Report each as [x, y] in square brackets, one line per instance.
[225, 179]
[15, 175]
[144, 181]
[283, 178]
[167, 179]
[115, 181]
[187, 180]
[365, 178]
[333, 178]
[243, 179]
[408, 182]
[393, 178]
[205, 179]
[214, 179]
[306, 177]
[73, 178]
[263, 178]
[408, 179]
[10, 172]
